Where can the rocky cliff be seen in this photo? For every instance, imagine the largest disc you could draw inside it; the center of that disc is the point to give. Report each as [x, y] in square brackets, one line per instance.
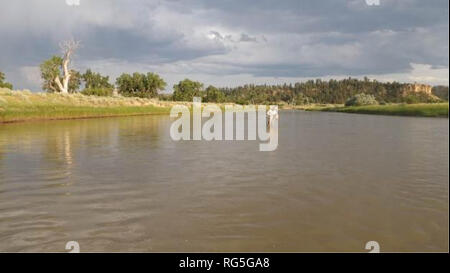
[417, 88]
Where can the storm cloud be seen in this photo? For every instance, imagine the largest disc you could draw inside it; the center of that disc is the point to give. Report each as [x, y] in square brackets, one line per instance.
[231, 42]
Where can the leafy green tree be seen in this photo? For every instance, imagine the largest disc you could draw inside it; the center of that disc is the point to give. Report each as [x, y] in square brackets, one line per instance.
[124, 83]
[214, 95]
[140, 85]
[56, 73]
[4, 84]
[51, 72]
[186, 90]
[95, 80]
[75, 81]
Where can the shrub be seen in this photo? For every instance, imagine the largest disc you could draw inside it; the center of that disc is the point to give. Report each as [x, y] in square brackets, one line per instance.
[142, 95]
[165, 97]
[101, 92]
[420, 97]
[361, 99]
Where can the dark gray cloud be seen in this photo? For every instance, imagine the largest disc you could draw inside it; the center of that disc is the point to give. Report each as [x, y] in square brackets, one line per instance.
[247, 38]
[207, 39]
[348, 16]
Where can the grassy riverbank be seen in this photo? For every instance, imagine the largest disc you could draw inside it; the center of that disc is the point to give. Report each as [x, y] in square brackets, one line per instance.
[25, 105]
[419, 110]
[309, 107]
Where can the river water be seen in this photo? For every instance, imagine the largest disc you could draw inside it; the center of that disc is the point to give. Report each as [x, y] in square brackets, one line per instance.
[335, 182]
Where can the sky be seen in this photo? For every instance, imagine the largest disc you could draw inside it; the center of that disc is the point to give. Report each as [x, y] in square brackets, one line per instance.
[230, 42]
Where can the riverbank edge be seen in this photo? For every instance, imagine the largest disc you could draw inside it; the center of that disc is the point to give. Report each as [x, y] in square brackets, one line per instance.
[109, 113]
[438, 110]
[414, 110]
[23, 106]
[81, 116]
[26, 106]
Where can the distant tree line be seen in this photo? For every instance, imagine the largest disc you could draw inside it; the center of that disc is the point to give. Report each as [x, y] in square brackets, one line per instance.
[441, 92]
[312, 91]
[319, 91]
[57, 76]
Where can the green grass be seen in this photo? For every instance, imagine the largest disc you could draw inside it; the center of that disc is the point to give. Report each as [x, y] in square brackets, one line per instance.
[311, 107]
[417, 110]
[25, 105]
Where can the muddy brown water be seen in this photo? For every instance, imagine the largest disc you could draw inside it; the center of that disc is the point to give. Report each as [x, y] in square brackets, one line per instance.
[335, 182]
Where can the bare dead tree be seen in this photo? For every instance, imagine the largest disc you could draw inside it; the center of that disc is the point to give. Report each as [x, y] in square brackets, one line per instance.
[68, 48]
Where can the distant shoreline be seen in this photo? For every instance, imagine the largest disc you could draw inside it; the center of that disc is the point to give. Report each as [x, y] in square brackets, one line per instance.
[412, 110]
[21, 106]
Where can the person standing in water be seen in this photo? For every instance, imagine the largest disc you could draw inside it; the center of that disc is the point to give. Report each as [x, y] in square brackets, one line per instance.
[272, 115]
